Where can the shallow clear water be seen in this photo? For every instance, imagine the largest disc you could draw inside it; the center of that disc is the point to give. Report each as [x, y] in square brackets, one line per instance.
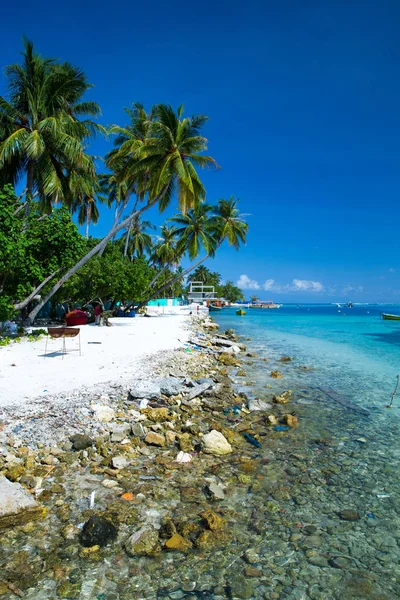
[352, 350]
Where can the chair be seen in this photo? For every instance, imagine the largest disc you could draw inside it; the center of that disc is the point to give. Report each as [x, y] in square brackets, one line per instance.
[63, 332]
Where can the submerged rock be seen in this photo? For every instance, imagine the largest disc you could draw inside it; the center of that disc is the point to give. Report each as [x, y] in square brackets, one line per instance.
[283, 398]
[290, 420]
[179, 543]
[142, 542]
[212, 520]
[275, 375]
[216, 491]
[98, 531]
[215, 443]
[349, 515]
[80, 441]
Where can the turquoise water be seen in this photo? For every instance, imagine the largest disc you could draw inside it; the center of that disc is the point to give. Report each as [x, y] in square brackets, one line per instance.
[344, 453]
[352, 350]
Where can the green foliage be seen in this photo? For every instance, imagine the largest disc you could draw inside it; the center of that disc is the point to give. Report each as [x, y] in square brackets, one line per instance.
[32, 249]
[109, 277]
[230, 292]
[41, 135]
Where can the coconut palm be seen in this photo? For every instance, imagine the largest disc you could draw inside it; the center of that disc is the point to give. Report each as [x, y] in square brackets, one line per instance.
[199, 228]
[41, 134]
[164, 164]
[137, 240]
[200, 274]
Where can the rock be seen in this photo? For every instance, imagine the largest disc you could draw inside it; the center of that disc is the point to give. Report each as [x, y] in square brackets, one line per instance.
[167, 528]
[119, 462]
[234, 349]
[283, 398]
[215, 443]
[275, 375]
[143, 542]
[349, 515]
[339, 562]
[170, 386]
[80, 441]
[155, 439]
[137, 430]
[212, 520]
[119, 431]
[258, 404]
[185, 442]
[179, 543]
[68, 590]
[285, 359]
[103, 413]
[318, 561]
[145, 388]
[170, 437]
[192, 494]
[184, 457]
[290, 420]
[272, 420]
[198, 390]
[97, 531]
[216, 491]
[17, 506]
[158, 415]
[239, 587]
[251, 571]
[228, 360]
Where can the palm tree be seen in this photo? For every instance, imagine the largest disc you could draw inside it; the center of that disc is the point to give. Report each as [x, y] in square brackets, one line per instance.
[41, 135]
[226, 223]
[162, 166]
[137, 240]
[200, 274]
[164, 163]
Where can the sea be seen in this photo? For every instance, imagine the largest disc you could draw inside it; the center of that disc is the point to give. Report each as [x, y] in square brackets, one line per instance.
[344, 453]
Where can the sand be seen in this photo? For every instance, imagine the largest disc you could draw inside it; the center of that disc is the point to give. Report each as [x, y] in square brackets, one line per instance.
[118, 353]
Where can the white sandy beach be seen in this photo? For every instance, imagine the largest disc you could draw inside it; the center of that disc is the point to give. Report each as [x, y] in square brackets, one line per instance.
[26, 373]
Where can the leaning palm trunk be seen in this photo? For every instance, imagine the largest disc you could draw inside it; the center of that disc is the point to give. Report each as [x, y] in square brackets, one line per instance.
[128, 235]
[23, 303]
[99, 247]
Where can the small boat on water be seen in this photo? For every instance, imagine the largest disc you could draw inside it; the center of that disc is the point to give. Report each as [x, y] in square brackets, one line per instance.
[267, 304]
[240, 312]
[214, 308]
[388, 317]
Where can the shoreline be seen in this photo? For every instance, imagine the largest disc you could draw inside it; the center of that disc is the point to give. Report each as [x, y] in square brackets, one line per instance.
[218, 526]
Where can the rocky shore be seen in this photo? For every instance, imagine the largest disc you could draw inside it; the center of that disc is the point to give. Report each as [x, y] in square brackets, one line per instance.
[184, 487]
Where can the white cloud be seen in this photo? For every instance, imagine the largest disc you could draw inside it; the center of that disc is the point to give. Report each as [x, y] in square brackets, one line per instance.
[305, 285]
[352, 288]
[391, 270]
[246, 283]
[297, 285]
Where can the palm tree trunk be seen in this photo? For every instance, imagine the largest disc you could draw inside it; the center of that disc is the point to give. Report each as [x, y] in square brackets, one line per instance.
[88, 218]
[23, 303]
[100, 246]
[29, 189]
[128, 235]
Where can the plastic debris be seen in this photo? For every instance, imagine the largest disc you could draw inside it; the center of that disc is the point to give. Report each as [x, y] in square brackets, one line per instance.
[281, 428]
[370, 515]
[252, 440]
[382, 496]
[184, 457]
[91, 501]
[143, 403]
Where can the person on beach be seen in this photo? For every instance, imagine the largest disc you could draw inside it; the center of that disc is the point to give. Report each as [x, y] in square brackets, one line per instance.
[97, 313]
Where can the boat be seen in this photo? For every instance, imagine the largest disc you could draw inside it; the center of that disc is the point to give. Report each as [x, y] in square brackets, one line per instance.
[350, 305]
[240, 312]
[214, 307]
[76, 317]
[268, 304]
[388, 317]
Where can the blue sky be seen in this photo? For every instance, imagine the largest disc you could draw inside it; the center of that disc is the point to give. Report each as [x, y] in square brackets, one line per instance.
[303, 100]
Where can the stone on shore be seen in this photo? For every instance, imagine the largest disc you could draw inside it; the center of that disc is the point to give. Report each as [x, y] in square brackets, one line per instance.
[103, 413]
[349, 515]
[276, 375]
[290, 420]
[17, 506]
[97, 531]
[143, 542]
[119, 462]
[215, 443]
[170, 386]
[145, 388]
[155, 439]
[258, 404]
[80, 441]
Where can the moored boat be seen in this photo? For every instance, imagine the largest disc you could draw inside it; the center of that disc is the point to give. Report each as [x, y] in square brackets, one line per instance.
[388, 317]
[267, 304]
[240, 311]
[214, 307]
